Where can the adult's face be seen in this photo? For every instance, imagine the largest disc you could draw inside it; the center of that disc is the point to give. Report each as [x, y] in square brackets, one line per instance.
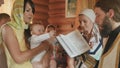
[103, 22]
[28, 15]
[99, 16]
[85, 24]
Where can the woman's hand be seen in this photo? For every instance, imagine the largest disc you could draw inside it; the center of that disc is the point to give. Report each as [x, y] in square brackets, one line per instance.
[45, 45]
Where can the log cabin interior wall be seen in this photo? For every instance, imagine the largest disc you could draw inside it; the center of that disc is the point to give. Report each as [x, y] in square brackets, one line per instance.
[57, 16]
[53, 12]
[41, 14]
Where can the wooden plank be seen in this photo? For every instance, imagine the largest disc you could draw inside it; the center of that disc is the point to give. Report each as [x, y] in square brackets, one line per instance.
[54, 1]
[57, 6]
[42, 2]
[41, 16]
[42, 9]
[57, 15]
[56, 11]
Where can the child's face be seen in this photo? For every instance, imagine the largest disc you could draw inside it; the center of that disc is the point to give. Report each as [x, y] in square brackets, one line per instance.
[38, 29]
[85, 24]
[50, 29]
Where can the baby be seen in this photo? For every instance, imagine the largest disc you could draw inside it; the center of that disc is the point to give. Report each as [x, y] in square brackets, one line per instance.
[38, 35]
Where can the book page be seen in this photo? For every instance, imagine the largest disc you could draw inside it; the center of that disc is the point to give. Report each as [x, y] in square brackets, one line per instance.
[78, 41]
[74, 43]
[70, 46]
[64, 45]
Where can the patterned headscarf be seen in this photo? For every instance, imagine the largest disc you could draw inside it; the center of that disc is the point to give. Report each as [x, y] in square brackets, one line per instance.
[17, 15]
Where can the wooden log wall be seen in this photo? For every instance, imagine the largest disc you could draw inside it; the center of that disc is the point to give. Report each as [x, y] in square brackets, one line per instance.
[41, 14]
[53, 12]
[57, 17]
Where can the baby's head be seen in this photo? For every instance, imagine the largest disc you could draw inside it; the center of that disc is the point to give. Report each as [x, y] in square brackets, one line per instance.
[50, 28]
[37, 28]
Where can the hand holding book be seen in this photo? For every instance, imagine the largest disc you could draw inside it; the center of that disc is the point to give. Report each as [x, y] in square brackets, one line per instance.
[73, 43]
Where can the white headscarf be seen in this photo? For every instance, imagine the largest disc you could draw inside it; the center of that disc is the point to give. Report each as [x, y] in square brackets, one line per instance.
[89, 13]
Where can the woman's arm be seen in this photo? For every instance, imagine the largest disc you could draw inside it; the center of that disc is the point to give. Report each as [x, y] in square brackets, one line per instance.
[14, 49]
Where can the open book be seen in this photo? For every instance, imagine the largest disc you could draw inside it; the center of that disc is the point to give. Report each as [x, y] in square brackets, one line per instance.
[73, 43]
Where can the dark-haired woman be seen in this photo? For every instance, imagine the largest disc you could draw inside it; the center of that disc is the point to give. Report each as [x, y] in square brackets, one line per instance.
[13, 39]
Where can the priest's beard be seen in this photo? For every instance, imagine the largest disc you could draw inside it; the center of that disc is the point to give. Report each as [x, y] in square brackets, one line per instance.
[106, 27]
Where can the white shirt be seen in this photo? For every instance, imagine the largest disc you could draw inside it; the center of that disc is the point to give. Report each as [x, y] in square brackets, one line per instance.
[35, 41]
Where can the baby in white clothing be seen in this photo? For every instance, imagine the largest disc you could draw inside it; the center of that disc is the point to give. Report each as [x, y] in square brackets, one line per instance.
[38, 35]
